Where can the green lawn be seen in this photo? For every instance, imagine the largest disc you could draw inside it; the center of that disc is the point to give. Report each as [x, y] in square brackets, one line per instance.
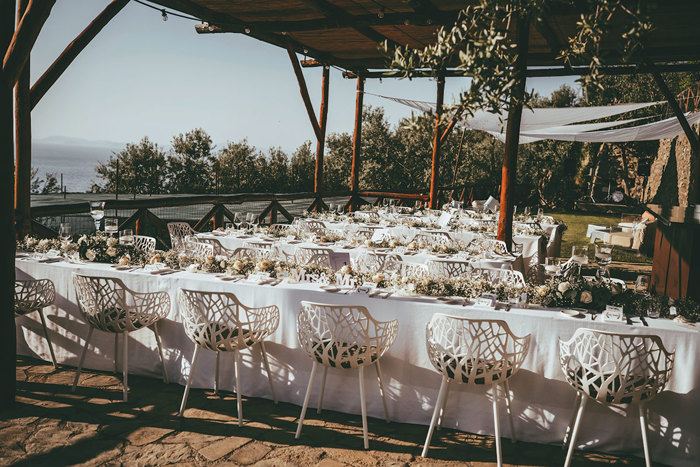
[575, 234]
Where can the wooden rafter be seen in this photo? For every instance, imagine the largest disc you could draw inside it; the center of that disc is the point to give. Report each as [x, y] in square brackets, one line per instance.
[53, 72]
[304, 90]
[25, 35]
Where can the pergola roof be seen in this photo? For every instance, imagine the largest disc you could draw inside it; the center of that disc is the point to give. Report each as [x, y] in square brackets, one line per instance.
[345, 33]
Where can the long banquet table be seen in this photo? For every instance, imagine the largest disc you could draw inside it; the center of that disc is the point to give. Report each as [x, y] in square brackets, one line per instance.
[542, 400]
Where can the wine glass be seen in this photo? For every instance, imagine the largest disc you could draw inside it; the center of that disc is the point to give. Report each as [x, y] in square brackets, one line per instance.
[111, 225]
[65, 232]
[237, 219]
[331, 208]
[641, 285]
[126, 237]
[551, 266]
[97, 211]
[579, 254]
[228, 226]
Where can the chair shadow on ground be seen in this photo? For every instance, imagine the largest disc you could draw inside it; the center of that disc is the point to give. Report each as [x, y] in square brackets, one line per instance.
[155, 404]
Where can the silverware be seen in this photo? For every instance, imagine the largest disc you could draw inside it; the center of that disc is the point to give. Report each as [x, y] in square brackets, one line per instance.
[593, 316]
[629, 320]
[643, 320]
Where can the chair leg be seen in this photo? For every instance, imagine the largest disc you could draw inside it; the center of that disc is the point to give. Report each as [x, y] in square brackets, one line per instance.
[323, 389]
[574, 433]
[216, 374]
[645, 441]
[443, 406]
[116, 351]
[306, 399]
[156, 331]
[381, 390]
[125, 366]
[438, 405]
[82, 358]
[236, 370]
[509, 409]
[189, 381]
[48, 339]
[497, 426]
[263, 351]
[363, 402]
[577, 404]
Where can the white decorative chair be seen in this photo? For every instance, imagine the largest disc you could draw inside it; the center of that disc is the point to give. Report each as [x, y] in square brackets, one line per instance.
[219, 322]
[433, 238]
[343, 337]
[312, 256]
[35, 295]
[312, 226]
[109, 305]
[613, 369]
[476, 352]
[373, 262]
[179, 231]
[439, 268]
[145, 243]
[413, 270]
[247, 252]
[198, 248]
[364, 234]
[482, 244]
[501, 275]
[217, 247]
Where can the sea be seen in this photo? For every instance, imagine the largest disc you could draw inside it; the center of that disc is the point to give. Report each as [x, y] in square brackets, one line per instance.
[75, 159]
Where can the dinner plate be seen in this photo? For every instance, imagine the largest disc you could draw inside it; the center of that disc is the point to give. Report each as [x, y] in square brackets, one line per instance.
[572, 313]
[330, 288]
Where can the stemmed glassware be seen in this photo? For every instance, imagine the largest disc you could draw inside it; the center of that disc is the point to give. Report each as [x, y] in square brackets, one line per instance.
[126, 237]
[579, 254]
[97, 211]
[111, 226]
[237, 220]
[551, 266]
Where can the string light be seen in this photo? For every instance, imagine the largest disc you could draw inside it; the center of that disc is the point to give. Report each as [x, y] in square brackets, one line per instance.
[381, 13]
[247, 30]
[164, 14]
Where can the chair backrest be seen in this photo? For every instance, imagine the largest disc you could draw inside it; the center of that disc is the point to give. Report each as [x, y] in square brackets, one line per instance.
[33, 294]
[178, 232]
[312, 225]
[474, 351]
[616, 368]
[304, 255]
[480, 244]
[343, 336]
[259, 245]
[501, 275]
[220, 322]
[109, 305]
[247, 252]
[198, 248]
[372, 262]
[217, 247]
[449, 268]
[145, 243]
[433, 238]
[364, 234]
[414, 270]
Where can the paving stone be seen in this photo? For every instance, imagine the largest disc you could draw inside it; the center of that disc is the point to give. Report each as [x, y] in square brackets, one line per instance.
[196, 440]
[351, 457]
[147, 435]
[156, 454]
[107, 450]
[220, 448]
[328, 462]
[250, 453]
[209, 415]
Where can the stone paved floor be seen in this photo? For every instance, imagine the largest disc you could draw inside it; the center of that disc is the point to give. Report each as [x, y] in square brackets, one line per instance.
[52, 426]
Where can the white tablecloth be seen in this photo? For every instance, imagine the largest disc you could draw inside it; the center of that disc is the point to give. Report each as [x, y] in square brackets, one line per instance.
[542, 404]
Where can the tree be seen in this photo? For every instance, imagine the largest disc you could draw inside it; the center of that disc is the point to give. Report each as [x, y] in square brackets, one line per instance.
[239, 167]
[274, 169]
[44, 186]
[301, 169]
[191, 163]
[141, 169]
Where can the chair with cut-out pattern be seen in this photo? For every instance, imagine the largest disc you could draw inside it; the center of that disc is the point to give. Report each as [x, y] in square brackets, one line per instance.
[145, 243]
[343, 337]
[373, 262]
[179, 231]
[445, 268]
[219, 322]
[195, 247]
[476, 352]
[312, 256]
[34, 295]
[610, 369]
[110, 306]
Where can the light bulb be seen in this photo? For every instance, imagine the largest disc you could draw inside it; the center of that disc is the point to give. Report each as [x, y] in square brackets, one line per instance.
[247, 30]
[164, 14]
[381, 13]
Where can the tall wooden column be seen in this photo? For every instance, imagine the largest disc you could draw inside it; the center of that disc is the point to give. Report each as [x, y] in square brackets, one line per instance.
[510, 158]
[435, 169]
[321, 141]
[23, 145]
[357, 137]
[7, 227]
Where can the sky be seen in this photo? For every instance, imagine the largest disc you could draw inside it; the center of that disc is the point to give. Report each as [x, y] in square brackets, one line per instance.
[142, 76]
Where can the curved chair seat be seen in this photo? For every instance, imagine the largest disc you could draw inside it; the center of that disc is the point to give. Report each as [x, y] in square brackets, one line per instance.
[476, 370]
[217, 336]
[348, 354]
[614, 383]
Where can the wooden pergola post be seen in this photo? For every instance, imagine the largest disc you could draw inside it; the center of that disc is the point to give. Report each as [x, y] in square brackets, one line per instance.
[510, 158]
[321, 142]
[7, 210]
[23, 146]
[357, 146]
[437, 140]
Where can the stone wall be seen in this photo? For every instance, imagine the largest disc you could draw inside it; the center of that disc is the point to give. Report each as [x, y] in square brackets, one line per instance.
[672, 180]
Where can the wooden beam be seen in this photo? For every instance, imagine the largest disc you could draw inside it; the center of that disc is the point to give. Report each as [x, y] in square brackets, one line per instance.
[357, 136]
[8, 344]
[23, 145]
[435, 168]
[545, 29]
[510, 157]
[56, 69]
[320, 144]
[24, 38]
[303, 89]
[448, 129]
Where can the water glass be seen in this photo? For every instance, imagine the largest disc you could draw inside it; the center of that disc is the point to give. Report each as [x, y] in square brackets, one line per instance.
[331, 208]
[228, 226]
[641, 285]
[579, 253]
[126, 237]
[111, 225]
[603, 254]
[551, 266]
[97, 211]
[64, 231]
